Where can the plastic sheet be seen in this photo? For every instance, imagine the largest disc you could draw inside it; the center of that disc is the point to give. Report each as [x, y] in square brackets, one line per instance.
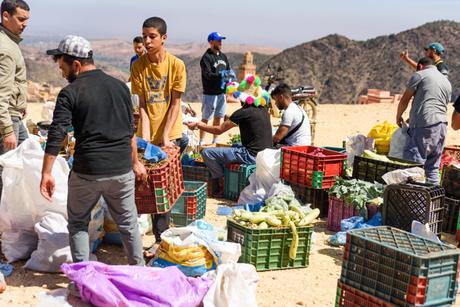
[122, 285]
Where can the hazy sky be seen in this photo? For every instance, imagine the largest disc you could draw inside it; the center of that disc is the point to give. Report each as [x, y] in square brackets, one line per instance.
[280, 23]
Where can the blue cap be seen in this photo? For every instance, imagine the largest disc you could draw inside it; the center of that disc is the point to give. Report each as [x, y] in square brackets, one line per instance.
[215, 36]
[436, 47]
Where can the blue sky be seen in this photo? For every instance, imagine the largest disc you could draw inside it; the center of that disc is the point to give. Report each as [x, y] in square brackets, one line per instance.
[271, 22]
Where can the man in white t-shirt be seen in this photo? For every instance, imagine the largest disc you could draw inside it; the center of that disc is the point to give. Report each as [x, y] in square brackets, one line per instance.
[294, 129]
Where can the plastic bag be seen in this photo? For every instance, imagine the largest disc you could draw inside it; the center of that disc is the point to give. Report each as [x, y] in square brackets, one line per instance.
[398, 142]
[416, 174]
[234, 285]
[22, 205]
[382, 133]
[356, 145]
[423, 230]
[203, 233]
[53, 298]
[266, 174]
[53, 245]
[351, 223]
[18, 245]
[123, 285]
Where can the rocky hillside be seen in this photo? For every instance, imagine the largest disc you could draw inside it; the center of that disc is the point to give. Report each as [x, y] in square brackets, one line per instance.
[112, 55]
[350, 67]
[342, 68]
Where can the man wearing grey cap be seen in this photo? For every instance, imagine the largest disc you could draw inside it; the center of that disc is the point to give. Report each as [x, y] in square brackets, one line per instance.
[99, 108]
[13, 84]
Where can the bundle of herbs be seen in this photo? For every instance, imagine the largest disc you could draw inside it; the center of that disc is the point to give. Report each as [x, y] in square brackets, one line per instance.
[358, 193]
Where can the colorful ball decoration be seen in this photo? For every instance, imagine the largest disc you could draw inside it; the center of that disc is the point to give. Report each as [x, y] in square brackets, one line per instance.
[249, 91]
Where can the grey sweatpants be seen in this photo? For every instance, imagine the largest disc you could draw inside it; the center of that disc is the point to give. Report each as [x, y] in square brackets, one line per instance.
[118, 191]
[425, 146]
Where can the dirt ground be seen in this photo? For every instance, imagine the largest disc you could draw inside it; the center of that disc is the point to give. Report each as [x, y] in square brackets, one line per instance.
[312, 286]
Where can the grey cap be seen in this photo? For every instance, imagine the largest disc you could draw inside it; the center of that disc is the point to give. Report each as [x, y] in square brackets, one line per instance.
[73, 45]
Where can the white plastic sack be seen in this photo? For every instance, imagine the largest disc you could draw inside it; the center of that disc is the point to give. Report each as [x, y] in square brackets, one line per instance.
[55, 298]
[355, 146]
[267, 173]
[18, 245]
[22, 205]
[96, 225]
[398, 142]
[416, 174]
[202, 233]
[53, 245]
[234, 285]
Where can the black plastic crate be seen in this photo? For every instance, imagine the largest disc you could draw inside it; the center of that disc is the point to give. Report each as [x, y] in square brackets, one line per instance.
[316, 197]
[451, 216]
[407, 202]
[198, 173]
[451, 180]
[401, 268]
[372, 170]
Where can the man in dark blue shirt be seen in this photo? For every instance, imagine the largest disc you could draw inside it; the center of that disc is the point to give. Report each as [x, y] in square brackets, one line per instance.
[139, 50]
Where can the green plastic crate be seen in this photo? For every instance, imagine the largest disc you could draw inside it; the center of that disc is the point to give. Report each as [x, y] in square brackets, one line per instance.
[399, 267]
[338, 149]
[236, 178]
[191, 205]
[268, 249]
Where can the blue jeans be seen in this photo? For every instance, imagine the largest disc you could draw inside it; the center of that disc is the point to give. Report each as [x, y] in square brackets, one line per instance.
[425, 146]
[213, 105]
[216, 158]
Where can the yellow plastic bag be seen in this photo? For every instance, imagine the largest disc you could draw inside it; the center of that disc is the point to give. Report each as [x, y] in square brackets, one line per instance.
[189, 256]
[382, 133]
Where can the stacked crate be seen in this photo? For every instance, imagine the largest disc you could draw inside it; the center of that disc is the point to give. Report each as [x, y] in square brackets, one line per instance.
[407, 202]
[311, 171]
[451, 183]
[191, 205]
[236, 178]
[385, 266]
[163, 187]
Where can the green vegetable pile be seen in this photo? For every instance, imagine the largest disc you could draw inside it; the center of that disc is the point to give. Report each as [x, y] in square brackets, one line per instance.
[234, 139]
[358, 193]
[279, 211]
[372, 155]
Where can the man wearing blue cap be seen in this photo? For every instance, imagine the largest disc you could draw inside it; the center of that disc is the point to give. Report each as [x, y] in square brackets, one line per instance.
[212, 64]
[433, 51]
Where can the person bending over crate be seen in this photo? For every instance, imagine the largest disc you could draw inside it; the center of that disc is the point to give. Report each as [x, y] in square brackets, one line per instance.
[256, 135]
[431, 91]
[105, 152]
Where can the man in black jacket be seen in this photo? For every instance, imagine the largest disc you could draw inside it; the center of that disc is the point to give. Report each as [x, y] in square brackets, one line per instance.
[213, 63]
[99, 108]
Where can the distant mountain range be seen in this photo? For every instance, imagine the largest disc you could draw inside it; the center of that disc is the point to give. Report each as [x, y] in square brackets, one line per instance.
[342, 68]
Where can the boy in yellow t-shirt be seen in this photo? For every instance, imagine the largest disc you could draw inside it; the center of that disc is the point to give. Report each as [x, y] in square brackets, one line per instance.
[158, 78]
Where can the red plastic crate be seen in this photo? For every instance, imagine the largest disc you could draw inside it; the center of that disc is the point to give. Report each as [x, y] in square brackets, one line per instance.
[452, 150]
[301, 165]
[163, 187]
[338, 211]
[350, 297]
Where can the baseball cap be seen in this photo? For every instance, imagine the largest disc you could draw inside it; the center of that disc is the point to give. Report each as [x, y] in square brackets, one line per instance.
[436, 47]
[73, 45]
[215, 36]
